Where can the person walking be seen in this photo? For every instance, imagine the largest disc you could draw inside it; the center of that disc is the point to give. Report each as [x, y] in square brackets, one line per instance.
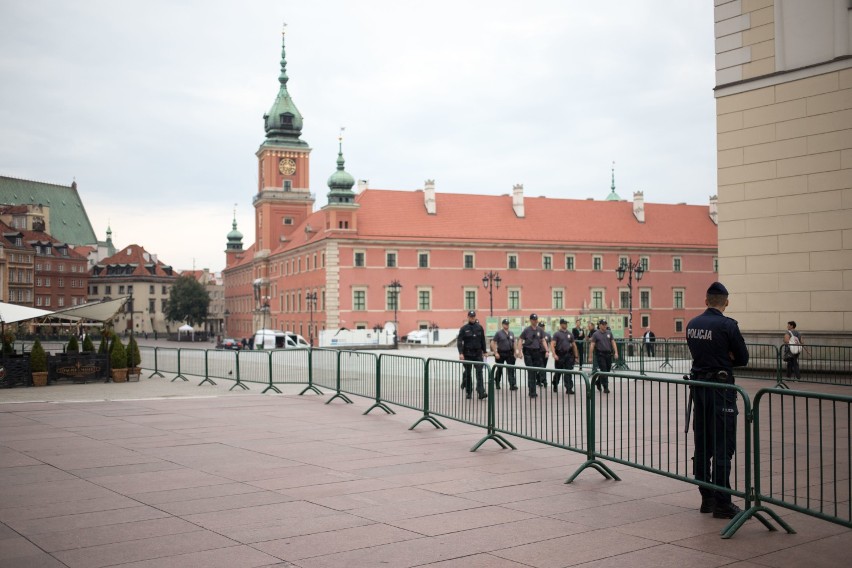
[531, 343]
[650, 339]
[716, 346]
[602, 348]
[564, 355]
[471, 346]
[579, 340]
[503, 347]
[793, 346]
[545, 354]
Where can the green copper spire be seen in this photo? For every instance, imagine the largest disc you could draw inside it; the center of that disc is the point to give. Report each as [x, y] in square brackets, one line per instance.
[613, 196]
[283, 122]
[340, 183]
[235, 238]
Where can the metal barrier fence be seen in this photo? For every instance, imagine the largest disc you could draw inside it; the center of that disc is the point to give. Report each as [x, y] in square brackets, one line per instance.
[827, 364]
[401, 381]
[802, 452]
[168, 361]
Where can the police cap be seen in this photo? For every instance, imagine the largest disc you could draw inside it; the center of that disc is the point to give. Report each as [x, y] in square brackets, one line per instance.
[541, 324]
[533, 317]
[563, 321]
[471, 314]
[602, 322]
[717, 289]
[505, 320]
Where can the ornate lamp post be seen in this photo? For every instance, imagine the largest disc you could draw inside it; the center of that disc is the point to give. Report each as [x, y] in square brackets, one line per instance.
[630, 268]
[311, 299]
[490, 281]
[394, 286]
[226, 314]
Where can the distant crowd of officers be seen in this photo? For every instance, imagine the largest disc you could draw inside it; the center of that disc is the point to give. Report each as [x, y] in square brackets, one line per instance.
[535, 345]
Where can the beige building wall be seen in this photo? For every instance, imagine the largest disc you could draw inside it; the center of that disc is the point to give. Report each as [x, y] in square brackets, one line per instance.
[784, 141]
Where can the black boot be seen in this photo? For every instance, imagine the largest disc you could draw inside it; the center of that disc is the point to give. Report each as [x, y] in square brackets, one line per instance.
[726, 511]
[708, 504]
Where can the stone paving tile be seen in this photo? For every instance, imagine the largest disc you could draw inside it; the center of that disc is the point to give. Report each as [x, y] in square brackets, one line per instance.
[85, 520]
[107, 534]
[142, 549]
[292, 527]
[105, 503]
[18, 552]
[315, 492]
[50, 492]
[146, 482]
[105, 456]
[618, 514]
[320, 544]
[371, 498]
[10, 458]
[6, 532]
[477, 561]
[230, 557]
[299, 476]
[661, 556]
[575, 549]
[258, 515]
[827, 552]
[117, 470]
[456, 521]
[220, 503]
[674, 527]
[565, 502]
[519, 491]
[191, 493]
[409, 509]
[26, 474]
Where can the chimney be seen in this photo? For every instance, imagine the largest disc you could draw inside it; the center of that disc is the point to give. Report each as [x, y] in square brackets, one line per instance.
[362, 184]
[714, 209]
[639, 206]
[518, 199]
[429, 196]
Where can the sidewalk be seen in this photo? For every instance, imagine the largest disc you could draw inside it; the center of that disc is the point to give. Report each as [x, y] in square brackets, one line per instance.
[168, 474]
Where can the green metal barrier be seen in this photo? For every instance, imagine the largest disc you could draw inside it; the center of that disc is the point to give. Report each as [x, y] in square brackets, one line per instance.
[291, 366]
[168, 361]
[824, 364]
[325, 367]
[220, 364]
[802, 454]
[149, 360]
[359, 373]
[255, 366]
[447, 399]
[401, 380]
[192, 361]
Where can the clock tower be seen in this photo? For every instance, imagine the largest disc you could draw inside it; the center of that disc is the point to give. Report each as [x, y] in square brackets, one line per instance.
[283, 197]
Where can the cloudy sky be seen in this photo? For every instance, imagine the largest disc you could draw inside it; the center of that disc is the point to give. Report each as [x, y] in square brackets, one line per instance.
[155, 107]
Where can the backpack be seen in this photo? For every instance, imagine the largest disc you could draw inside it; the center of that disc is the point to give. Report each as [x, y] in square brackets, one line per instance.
[795, 346]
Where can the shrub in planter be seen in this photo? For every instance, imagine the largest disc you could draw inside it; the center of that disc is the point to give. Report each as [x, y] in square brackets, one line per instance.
[38, 364]
[88, 346]
[73, 346]
[118, 361]
[134, 357]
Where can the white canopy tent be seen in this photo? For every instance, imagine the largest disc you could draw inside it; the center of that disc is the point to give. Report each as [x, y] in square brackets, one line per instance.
[93, 311]
[184, 329]
[13, 313]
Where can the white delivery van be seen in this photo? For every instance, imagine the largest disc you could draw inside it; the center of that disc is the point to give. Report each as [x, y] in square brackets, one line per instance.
[276, 339]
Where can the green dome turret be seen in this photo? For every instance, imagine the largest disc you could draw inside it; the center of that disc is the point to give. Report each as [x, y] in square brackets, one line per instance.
[283, 122]
[235, 238]
[613, 196]
[340, 183]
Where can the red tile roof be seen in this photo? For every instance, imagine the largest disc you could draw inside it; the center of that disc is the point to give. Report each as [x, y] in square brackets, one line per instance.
[134, 255]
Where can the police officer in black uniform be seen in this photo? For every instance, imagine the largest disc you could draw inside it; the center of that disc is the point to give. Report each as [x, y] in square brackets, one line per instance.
[503, 346]
[564, 355]
[717, 346]
[545, 353]
[532, 343]
[602, 348]
[471, 345]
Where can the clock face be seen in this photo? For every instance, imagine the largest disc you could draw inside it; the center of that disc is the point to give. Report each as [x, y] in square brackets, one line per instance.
[287, 166]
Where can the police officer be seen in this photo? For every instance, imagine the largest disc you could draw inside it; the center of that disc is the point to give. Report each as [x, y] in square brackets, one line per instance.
[545, 354]
[717, 346]
[579, 339]
[532, 344]
[471, 345]
[564, 355]
[503, 346]
[602, 348]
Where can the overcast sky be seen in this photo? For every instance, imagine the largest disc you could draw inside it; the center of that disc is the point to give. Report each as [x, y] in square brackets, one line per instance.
[156, 107]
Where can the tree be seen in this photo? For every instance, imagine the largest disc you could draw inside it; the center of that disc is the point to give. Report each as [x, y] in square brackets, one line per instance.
[73, 346]
[188, 301]
[38, 358]
[118, 354]
[134, 358]
[88, 346]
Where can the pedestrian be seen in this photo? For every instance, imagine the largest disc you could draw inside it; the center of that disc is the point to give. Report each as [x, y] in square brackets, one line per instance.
[602, 349]
[531, 343]
[649, 338]
[792, 349]
[471, 345]
[503, 346]
[564, 355]
[545, 355]
[579, 340]
[717, 346]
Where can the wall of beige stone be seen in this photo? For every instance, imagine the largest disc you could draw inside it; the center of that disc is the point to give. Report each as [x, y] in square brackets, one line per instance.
[784, 168]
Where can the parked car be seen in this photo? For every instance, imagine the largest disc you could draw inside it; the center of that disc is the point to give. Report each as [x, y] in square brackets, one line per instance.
[229, 343]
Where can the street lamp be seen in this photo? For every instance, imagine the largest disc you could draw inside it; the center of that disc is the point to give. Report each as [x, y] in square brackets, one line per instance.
[226, 314]
[630, 268]
[394, 286]
[490, 281]
[311, 299]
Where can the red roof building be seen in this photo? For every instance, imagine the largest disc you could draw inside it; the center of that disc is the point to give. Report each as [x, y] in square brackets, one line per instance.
[554, 257]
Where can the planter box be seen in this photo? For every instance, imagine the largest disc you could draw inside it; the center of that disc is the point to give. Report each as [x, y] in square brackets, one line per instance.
[119, 375]
[40, 379]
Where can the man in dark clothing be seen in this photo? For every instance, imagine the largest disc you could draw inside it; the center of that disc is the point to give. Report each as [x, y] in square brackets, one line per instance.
[532, 344]
[503, 346]
[471, 345]
[545, 354]
[579, 340]
[792, 350]
[564, 355]
[717, 346]
[603, 348]
[649, 338]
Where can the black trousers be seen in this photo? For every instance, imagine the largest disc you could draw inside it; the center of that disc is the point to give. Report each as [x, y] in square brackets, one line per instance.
[793, 368]
[715, 428]
[564, 363]
[604, 362]
[650, 348]
[532, 358]
[466, 375]
[507, 358]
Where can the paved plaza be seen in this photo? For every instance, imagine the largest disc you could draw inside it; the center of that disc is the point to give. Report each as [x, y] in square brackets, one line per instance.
[156, 473]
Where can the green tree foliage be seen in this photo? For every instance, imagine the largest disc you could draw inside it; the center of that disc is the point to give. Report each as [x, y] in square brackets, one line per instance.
[188, 301]
[38, 358]
[8, 343]
[134, 358]
[118, 354]
[73, 346]
[88, 346]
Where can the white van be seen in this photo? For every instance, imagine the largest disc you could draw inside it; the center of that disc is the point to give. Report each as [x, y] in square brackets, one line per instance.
[276, 339]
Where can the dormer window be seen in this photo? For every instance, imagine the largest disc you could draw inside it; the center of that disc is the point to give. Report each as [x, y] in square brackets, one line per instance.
[286, 120]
